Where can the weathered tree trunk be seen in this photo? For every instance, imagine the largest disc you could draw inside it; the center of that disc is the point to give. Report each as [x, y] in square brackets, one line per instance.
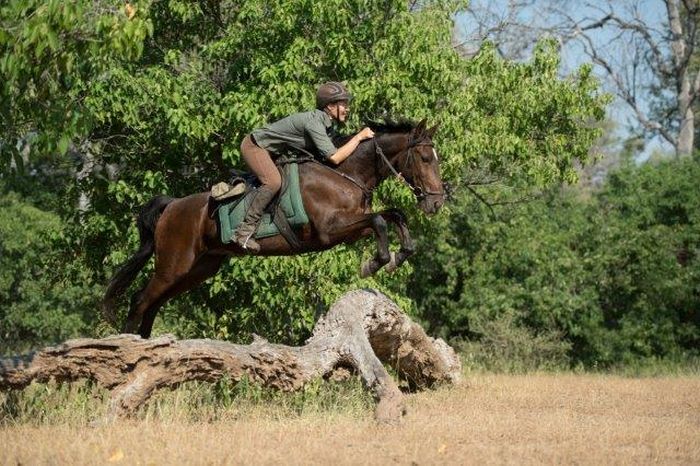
[686, 91]
[360, 331]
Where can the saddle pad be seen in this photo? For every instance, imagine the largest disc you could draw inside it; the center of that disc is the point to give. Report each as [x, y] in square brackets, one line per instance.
[232, 213]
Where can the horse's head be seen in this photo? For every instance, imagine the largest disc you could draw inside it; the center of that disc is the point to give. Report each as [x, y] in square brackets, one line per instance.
[400, 148]
[420, 166]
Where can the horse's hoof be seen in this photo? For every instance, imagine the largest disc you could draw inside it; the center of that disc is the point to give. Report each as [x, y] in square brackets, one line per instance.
[391, 266]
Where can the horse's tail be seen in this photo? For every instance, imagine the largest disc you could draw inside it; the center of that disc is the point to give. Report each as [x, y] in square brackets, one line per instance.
[146, 224]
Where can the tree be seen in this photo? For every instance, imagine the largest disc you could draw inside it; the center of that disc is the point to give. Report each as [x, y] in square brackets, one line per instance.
[34, 307]
[506, 25]
[648, 63]
[605, 279]
[666, 54]
[169, 118]
[49, 53]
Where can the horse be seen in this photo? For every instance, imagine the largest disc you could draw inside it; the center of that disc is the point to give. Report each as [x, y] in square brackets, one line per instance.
[188, 248]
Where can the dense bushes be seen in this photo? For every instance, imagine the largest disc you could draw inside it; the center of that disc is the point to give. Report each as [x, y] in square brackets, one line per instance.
[613, 276]
[155, 98]
[44, 296]
[603, 279]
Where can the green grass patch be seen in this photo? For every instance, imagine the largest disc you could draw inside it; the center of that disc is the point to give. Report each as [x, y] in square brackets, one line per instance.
[82, 402]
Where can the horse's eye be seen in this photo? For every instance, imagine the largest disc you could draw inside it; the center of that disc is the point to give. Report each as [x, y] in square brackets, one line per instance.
[429, 156]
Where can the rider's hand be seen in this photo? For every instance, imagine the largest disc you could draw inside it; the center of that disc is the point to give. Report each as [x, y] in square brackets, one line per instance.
[366, 133]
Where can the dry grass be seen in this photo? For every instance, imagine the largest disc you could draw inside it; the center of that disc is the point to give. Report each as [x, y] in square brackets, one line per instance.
[580, 419]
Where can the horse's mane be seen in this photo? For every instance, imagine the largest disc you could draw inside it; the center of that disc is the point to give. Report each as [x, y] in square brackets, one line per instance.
[402, 125]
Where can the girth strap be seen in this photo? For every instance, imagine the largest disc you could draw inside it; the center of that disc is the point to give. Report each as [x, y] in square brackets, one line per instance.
[279, 218]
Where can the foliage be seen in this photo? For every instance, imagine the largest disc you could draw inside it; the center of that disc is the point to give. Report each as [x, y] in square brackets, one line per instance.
[505, 345]
[34, 307]
[50, 51]
[280, 298]
[158, 96]
[615, 275]
[525, 126]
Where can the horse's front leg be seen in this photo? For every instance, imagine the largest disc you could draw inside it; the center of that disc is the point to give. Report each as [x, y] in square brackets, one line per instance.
[408, 247]
[382, 257]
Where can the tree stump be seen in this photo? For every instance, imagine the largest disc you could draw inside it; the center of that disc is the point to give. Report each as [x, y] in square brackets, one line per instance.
[362, 330]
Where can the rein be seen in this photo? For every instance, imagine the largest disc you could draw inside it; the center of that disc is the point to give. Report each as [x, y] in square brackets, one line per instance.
[310, 158]
[417, 191]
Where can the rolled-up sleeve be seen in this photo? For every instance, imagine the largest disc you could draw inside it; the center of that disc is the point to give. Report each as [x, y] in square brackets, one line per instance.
[317, 133]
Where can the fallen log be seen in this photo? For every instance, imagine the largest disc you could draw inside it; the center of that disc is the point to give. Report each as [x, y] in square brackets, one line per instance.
[362, 330]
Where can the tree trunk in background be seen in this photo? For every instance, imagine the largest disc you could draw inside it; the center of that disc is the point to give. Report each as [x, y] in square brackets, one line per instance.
[686, 135]
[687, 91]
[85, 154]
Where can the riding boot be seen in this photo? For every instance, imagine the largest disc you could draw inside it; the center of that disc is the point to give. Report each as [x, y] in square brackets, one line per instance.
[244, 234]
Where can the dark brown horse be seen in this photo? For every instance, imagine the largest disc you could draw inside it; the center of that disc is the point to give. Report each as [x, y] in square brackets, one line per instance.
[188, 248]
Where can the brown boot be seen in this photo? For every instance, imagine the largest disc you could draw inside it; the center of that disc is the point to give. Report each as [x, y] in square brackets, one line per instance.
[244, 234]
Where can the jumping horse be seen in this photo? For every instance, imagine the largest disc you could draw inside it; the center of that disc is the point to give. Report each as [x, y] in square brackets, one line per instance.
[188, 248]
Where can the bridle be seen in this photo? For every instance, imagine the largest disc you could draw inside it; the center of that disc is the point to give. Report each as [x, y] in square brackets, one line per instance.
[419, 192]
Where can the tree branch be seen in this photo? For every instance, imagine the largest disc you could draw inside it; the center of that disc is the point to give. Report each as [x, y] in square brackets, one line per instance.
[625, 93]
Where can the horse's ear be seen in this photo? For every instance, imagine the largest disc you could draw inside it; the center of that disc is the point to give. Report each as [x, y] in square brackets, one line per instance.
[431, 132]
[419, 130]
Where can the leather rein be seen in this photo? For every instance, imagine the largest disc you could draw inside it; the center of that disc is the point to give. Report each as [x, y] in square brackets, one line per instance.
[419, 192]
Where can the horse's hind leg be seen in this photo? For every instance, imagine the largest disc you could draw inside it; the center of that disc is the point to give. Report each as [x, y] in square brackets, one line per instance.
[170, 267]
[205, 267]
[144, 300]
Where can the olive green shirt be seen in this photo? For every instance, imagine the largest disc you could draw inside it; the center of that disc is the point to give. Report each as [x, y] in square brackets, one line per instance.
[306, 130]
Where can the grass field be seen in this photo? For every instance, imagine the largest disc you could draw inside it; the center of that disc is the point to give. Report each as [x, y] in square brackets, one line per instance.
[523, 419]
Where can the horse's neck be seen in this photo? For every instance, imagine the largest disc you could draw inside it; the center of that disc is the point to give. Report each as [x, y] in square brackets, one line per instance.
[365, 166]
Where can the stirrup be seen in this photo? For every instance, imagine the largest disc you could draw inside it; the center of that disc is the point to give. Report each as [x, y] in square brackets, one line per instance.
[248, 245]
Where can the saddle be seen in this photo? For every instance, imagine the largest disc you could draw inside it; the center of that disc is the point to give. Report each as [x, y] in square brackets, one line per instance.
[285, 212]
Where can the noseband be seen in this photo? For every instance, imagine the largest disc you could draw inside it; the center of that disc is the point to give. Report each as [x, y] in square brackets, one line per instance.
[419, 192]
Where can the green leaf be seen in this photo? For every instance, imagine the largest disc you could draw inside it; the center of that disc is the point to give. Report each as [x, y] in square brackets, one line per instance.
[63, 144]
[19, 161]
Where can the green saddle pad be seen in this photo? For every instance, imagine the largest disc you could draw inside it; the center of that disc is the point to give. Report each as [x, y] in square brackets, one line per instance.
[231, 214]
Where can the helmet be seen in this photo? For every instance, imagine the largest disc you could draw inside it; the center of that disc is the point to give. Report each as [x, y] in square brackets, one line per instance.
[330, 92]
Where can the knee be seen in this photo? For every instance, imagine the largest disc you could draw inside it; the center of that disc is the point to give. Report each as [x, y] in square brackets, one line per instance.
[379, 224]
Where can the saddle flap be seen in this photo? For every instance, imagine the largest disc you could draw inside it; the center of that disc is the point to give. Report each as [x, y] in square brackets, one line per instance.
[289, 199]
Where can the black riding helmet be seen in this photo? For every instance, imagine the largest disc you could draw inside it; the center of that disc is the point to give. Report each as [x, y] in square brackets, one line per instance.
[330, 92]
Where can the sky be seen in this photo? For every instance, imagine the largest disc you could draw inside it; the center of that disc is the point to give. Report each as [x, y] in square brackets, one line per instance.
[653, 12]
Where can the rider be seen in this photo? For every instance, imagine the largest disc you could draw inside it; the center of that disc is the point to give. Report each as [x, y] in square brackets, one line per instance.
[308, 131]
